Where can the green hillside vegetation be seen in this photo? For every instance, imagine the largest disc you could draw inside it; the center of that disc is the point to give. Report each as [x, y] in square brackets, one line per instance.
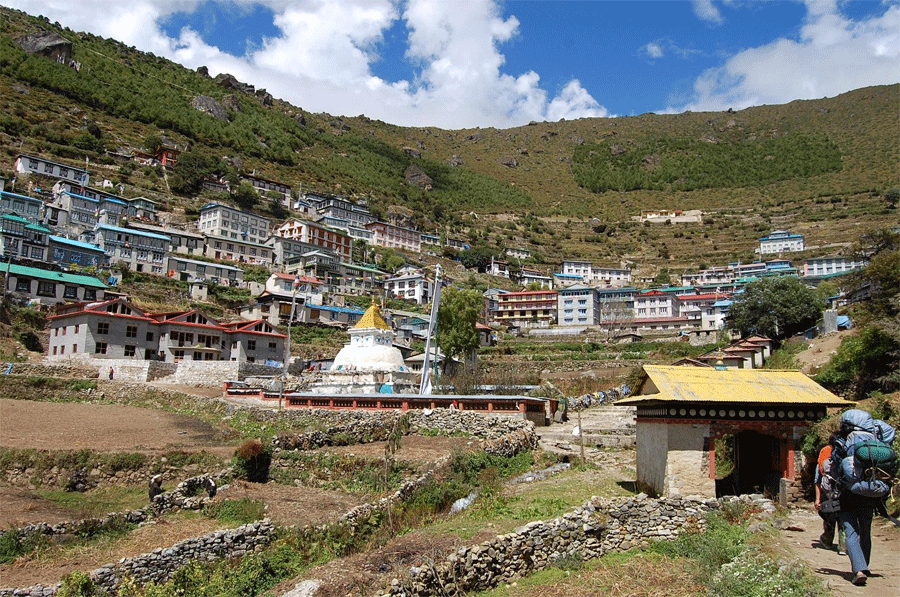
[687, 165]
[568, 189]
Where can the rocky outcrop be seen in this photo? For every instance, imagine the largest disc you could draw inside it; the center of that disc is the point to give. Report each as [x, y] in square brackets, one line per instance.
[210, 106]
[417, 177]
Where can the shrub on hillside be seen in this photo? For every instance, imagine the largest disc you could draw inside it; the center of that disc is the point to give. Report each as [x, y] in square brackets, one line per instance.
[253, 459]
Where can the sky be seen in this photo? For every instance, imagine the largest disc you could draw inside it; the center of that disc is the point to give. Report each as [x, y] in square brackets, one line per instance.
[459, 64]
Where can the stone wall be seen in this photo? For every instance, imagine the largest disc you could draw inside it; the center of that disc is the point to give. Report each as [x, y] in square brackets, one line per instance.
[158, 565]
[67, 370]
[356, 426]
[211, 373]
[598, 527]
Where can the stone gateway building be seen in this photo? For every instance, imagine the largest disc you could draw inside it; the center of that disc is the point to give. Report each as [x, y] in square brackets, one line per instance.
[682, 411]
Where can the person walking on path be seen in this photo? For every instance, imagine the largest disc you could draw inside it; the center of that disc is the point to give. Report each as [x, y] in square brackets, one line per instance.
[827, 502]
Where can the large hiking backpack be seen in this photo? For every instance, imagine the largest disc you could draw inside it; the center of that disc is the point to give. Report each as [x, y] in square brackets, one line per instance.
[869, 463]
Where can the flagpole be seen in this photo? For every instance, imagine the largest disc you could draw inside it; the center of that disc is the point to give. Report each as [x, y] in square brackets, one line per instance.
[287, 343]
[425, 386]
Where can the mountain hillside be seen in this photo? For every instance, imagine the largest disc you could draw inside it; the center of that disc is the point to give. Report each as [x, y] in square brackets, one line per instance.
[564, 189]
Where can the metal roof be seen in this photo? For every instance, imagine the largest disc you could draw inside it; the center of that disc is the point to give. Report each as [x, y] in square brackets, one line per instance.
[42, 274]
[666, 383]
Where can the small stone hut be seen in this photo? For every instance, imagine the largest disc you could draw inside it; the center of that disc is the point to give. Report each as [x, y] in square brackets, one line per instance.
[681, 411]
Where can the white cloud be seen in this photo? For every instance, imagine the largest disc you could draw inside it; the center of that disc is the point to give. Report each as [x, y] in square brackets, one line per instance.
[321, 60]
[653, 50]
[832, 55]
[707, 11]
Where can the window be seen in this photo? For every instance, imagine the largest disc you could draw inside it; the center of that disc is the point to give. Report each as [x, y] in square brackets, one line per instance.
[77, 327]
[103, 327]
[90, 294]
[23, 285]
[149, 336]
[70, 292]
[131, 331]
[271, 347]
[46, 288]
[129, 350]
[251, 344]
[100, 348]
[74, 348]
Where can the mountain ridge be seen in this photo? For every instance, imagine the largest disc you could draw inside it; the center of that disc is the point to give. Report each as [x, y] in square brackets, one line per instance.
[497, 187]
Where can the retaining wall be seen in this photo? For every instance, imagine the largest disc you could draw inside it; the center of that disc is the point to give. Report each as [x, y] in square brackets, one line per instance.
[598, 527]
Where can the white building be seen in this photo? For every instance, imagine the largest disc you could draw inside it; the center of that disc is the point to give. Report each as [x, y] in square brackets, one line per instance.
[578, 305]
[597, 275]
[142, 251]
[826, 266]
[228, 222]
[411, 286]
[29, 164]
[780, 241]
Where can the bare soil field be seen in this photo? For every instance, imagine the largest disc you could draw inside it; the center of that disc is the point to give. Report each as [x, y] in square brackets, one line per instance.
[101, 427]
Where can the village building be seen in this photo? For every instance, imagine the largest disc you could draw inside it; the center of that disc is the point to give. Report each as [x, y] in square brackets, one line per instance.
[117, 329]
[578, 305]
[181, 242]
[780, 241]
[217, 220]
[597, 275]
[527, 309]
[264, 187]
[317, 235]
[355, 214]
[826, 266]
[411, 285]
[763, 415]
[239, 251]
[395, 237]
[140, 251]
[79, 214]
[48, 287]
[29, 164]
[528, 276]
[191, 270]
[29, 208]
[65, 251]
[22, 239]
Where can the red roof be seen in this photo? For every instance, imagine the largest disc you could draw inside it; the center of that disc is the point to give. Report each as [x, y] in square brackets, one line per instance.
[301, 278]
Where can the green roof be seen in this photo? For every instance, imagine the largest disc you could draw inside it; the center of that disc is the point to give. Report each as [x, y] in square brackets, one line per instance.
[16, 218]
[37, 227]
[43, 274]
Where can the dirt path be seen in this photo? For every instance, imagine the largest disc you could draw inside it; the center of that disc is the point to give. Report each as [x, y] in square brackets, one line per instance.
[834, 569]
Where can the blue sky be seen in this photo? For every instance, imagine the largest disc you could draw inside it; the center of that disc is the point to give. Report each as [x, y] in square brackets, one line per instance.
[466, 63]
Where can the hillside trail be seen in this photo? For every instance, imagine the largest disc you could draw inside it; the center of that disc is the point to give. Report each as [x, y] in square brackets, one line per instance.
[800, 536]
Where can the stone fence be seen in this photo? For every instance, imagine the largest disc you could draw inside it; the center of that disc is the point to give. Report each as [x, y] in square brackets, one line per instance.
[596, 528]
[159, 565]
[344, 427]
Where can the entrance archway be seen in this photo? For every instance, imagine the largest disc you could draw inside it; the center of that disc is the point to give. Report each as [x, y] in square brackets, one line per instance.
[758, 463]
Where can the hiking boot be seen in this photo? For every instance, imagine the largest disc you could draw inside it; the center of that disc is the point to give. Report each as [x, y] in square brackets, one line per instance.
[826, 542]
[860, 579]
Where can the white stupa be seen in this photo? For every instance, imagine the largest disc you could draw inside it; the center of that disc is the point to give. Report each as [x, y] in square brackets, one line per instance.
[369, 363]
[371, 346]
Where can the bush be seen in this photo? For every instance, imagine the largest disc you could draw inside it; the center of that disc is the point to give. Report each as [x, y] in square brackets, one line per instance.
[253, 459]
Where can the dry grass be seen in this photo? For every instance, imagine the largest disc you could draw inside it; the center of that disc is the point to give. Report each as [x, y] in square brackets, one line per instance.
[619, 575]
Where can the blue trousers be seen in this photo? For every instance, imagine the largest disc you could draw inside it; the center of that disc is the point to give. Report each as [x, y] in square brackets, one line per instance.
[857, 524]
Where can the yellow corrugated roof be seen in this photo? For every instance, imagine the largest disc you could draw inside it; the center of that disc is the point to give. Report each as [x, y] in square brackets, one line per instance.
[702, 384]
[372, 319]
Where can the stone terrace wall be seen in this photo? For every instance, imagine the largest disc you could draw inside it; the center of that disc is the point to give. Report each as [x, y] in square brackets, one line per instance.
[595, 529]
[211, 373]
[67, 370]
[355, 426]
[160, 564]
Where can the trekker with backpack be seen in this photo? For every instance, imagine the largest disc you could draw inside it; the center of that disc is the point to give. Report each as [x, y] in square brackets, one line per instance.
[868, 466]
[828, 498]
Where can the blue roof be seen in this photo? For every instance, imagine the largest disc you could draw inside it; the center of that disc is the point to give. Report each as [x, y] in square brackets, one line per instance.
[573, 276]
[105, 198]
[133, 231]
[17, 196]
[350, 310]
[722, 303]
[76, 243]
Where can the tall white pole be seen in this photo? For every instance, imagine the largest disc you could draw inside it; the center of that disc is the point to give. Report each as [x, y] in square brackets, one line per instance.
[425, 386]
[287, 349]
